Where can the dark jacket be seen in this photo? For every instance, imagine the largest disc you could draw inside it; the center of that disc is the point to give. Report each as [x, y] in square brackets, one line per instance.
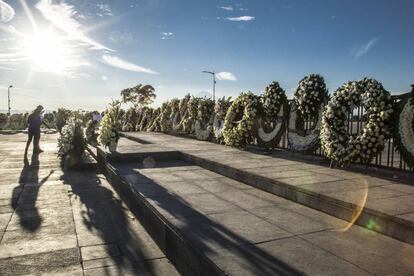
[34, 121]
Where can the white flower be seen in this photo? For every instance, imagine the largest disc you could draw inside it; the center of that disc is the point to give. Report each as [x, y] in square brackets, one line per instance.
[372, 99]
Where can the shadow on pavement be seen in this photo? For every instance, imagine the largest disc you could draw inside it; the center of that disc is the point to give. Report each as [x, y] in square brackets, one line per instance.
[102, 213]
[25, 204]
[203, 231]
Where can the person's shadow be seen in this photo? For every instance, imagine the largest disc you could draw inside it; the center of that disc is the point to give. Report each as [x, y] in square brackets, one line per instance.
[25, 195]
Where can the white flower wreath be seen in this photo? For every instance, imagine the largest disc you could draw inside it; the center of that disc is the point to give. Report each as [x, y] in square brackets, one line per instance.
[143, 112]
[165, 117]
[145, 118]
[182, 110]
[271, 122]
[309, 95]
[308, 104]
[154, 121]
[301, 142]
[140, 114]
[244, 110]
[220, 110]
[405, 130]
[203, 124]
[188, 121]
[202, 133]
[342, 147]
[129, 120]
[175, 112]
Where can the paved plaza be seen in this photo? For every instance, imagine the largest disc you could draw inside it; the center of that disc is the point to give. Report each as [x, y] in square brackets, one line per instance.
[58, 223]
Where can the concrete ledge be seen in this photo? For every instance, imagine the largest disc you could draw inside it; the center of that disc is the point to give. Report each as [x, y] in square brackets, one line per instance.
[391, 226]
[92, 150]
[184, 255]
[25, 131]
[136, 139]
[137, 156]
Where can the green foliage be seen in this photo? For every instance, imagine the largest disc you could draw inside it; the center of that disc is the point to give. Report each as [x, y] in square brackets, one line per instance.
[62, 116]
[139, 96]
[17, 121]
[205, 111]
[187, 123]
[129, 120]
[90, 132]
[146, 115]
[3, 121]
[88, 116]
[165, 120]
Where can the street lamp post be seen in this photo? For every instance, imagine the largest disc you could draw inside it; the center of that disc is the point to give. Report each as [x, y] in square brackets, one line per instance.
[214, 83]
[8, 97]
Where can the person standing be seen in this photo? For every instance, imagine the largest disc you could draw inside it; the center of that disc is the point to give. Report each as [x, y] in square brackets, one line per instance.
[35, 121]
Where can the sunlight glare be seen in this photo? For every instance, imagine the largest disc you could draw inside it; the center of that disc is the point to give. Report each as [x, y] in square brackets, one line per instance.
[48, 52]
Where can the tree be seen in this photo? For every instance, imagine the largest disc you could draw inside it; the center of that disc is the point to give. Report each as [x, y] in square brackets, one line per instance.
[139, 96]
[62, 116]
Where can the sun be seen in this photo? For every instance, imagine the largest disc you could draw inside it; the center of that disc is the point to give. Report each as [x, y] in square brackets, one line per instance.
[48, 52]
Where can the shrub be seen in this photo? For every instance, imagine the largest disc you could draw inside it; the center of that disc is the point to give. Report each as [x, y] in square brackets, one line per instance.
[61, 118]
[3, 120]
[90, 132]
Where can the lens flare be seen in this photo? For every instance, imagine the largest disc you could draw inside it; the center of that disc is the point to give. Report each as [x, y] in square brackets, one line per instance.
[360, 205]
[6, 12]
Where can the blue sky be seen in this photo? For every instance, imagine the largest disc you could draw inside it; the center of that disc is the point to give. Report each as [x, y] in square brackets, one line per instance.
[80, 54]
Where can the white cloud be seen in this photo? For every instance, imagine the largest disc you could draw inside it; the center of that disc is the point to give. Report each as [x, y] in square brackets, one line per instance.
[7, 68]
[104, 9]
[104, 78]
[360, 51]
[241, 18]
[226, 76]
[6, 12]
[166, 35]
[11, 57]
[227, 8]
[62, 17]
[121, 37]
[123, 64]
